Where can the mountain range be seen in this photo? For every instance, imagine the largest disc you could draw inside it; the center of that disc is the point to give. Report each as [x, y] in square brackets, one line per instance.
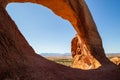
[55, 54]
[69, 54]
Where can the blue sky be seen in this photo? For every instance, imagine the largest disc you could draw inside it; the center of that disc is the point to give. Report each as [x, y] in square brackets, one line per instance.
[47, 32]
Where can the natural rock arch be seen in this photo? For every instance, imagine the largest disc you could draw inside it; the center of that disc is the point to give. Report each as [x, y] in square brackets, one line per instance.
[19, 61]
[79, 16]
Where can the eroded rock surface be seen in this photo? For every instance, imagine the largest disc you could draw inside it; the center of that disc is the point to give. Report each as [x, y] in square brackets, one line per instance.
[81, 55]
[115, 60]
[18, 60]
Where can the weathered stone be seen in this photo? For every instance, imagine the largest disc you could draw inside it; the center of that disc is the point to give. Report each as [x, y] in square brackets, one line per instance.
[18, 60]
[115, 60]
[81, 55]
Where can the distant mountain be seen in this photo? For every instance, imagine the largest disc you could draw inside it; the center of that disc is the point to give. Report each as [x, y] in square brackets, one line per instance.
[55, 54]
[69, 54]
[113, 54]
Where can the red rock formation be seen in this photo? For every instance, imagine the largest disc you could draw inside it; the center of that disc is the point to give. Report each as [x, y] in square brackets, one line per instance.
[115, 60]
[81, 56]
[18, 60]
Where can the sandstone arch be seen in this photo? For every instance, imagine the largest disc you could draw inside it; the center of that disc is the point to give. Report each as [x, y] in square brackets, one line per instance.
[80, 17]
[18, 58]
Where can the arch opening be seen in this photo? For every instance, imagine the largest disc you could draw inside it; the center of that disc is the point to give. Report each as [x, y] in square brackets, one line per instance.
[48, 34]
[40, 23]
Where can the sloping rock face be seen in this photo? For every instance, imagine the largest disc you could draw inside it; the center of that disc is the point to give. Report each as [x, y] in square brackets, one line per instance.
[18, 60]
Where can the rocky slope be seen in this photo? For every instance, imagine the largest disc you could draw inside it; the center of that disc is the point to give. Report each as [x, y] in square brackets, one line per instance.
[18, 60]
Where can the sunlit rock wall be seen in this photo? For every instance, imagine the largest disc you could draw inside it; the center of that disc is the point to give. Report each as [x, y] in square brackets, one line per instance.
[81, 55]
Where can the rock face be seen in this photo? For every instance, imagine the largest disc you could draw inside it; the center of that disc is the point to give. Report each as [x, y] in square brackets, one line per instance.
[18, 60]
[81, 56]
[115, 60]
